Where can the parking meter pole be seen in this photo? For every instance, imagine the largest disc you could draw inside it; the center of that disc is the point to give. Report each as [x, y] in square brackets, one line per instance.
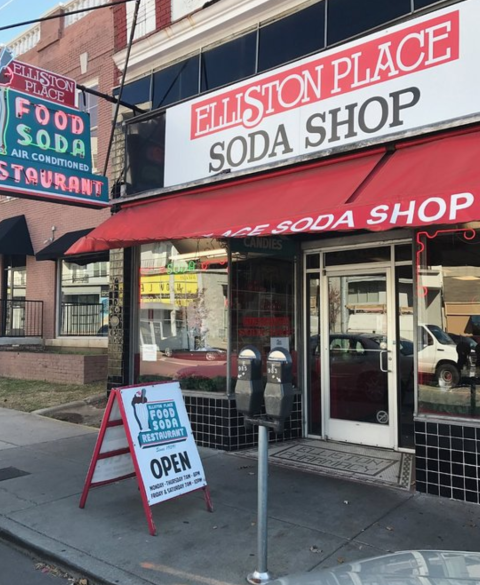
[473, 385]
[261, 575]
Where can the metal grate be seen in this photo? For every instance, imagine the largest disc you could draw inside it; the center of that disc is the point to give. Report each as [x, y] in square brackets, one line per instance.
[11, 473]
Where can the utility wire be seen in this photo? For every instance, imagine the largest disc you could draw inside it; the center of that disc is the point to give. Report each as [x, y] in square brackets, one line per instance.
[45, 18]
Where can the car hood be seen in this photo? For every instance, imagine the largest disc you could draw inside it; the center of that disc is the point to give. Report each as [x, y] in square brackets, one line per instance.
[402, 568]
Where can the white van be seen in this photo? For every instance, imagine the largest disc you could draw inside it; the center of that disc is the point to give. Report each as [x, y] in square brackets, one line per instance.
[437, 352]
[437, 355]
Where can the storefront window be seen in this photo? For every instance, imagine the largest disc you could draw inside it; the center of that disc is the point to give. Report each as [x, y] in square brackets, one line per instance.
[304, 30]
[14, 304]
[263, 286]
[183, 325]
[175, 83]
[84, 299]
[145, 148]
[448, 318]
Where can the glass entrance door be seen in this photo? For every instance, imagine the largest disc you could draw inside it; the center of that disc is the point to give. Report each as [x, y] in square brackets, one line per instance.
[357, 346]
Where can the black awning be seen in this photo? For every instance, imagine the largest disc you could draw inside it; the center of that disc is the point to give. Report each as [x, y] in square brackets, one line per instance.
[15, 237]
[58, 248]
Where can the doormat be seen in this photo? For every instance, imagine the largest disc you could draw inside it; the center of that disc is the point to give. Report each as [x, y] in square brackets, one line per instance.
[365, 464]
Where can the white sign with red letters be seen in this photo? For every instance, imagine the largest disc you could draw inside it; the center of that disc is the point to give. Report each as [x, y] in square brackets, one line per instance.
[407, 79]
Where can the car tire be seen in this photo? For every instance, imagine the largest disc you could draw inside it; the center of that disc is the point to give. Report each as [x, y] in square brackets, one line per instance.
[447, 375]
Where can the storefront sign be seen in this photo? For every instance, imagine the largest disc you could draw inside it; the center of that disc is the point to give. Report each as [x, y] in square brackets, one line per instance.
[45, 150]
[457, 208]
[409, 78]
[265, 326]
[149, 427]
[43, 84]
[265, 246]
[280, 342]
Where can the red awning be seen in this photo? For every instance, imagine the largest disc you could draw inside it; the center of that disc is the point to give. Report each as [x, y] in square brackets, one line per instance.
[434, 180]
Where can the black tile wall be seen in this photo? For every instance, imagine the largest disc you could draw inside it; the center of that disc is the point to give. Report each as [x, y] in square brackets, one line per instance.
[447, 460]
[216, 423]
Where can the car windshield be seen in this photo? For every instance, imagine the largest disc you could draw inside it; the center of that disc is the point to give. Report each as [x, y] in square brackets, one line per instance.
[440, 335]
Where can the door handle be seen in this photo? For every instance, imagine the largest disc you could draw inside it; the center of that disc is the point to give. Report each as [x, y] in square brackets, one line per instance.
[382, 369]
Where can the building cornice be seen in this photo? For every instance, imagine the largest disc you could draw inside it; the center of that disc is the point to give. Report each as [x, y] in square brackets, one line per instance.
[203, 27]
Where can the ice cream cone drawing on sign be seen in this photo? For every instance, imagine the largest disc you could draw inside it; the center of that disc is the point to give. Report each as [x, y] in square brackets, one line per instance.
[140, 410]
[6, 57]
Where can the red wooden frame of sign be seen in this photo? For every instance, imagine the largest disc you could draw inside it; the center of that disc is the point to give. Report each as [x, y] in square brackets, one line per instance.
[98, 456]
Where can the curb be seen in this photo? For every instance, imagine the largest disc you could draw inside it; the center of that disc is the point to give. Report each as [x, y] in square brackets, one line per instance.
[69, 565]
[47, 556]
[67, 405]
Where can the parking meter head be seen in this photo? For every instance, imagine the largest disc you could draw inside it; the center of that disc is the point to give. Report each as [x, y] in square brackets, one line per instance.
[249, 386]
[279, 388]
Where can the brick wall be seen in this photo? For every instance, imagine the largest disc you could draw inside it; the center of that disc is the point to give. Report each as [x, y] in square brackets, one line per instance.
[53, 367]
[164, 13]
[163, 17]
[41, 216]
[120, 25]
[59, 50]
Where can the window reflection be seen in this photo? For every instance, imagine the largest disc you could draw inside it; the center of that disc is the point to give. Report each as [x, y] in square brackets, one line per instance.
[228, 62]
[183, 313]
[145, 150]
[347, 18]
[175, 83]
[263, 297]
[449, 313]
[304, 30]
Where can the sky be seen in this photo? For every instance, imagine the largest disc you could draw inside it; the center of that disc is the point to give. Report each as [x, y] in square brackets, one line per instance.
[13, 11]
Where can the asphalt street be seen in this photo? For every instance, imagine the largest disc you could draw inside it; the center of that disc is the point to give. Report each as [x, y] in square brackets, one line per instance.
[17, 568]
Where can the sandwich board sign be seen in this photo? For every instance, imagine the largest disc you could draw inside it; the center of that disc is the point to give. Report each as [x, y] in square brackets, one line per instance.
[145, 433]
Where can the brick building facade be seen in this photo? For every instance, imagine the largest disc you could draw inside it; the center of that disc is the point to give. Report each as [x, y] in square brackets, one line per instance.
[79, 47]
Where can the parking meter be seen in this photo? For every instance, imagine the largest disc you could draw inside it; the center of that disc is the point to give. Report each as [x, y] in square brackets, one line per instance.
[249, 387]
[279, 389]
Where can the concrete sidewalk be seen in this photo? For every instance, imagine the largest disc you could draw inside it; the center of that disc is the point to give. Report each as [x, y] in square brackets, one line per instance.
[314, 521]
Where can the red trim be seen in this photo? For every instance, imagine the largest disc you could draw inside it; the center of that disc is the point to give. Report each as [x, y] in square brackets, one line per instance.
[96, 451]
[208, 499]
[468, 234]
[436, 137]
[290, 195]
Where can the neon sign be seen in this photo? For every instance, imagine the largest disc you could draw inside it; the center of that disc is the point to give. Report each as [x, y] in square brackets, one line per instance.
[44, 138]
[45, 150]
[36, 128]
[422, 237]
